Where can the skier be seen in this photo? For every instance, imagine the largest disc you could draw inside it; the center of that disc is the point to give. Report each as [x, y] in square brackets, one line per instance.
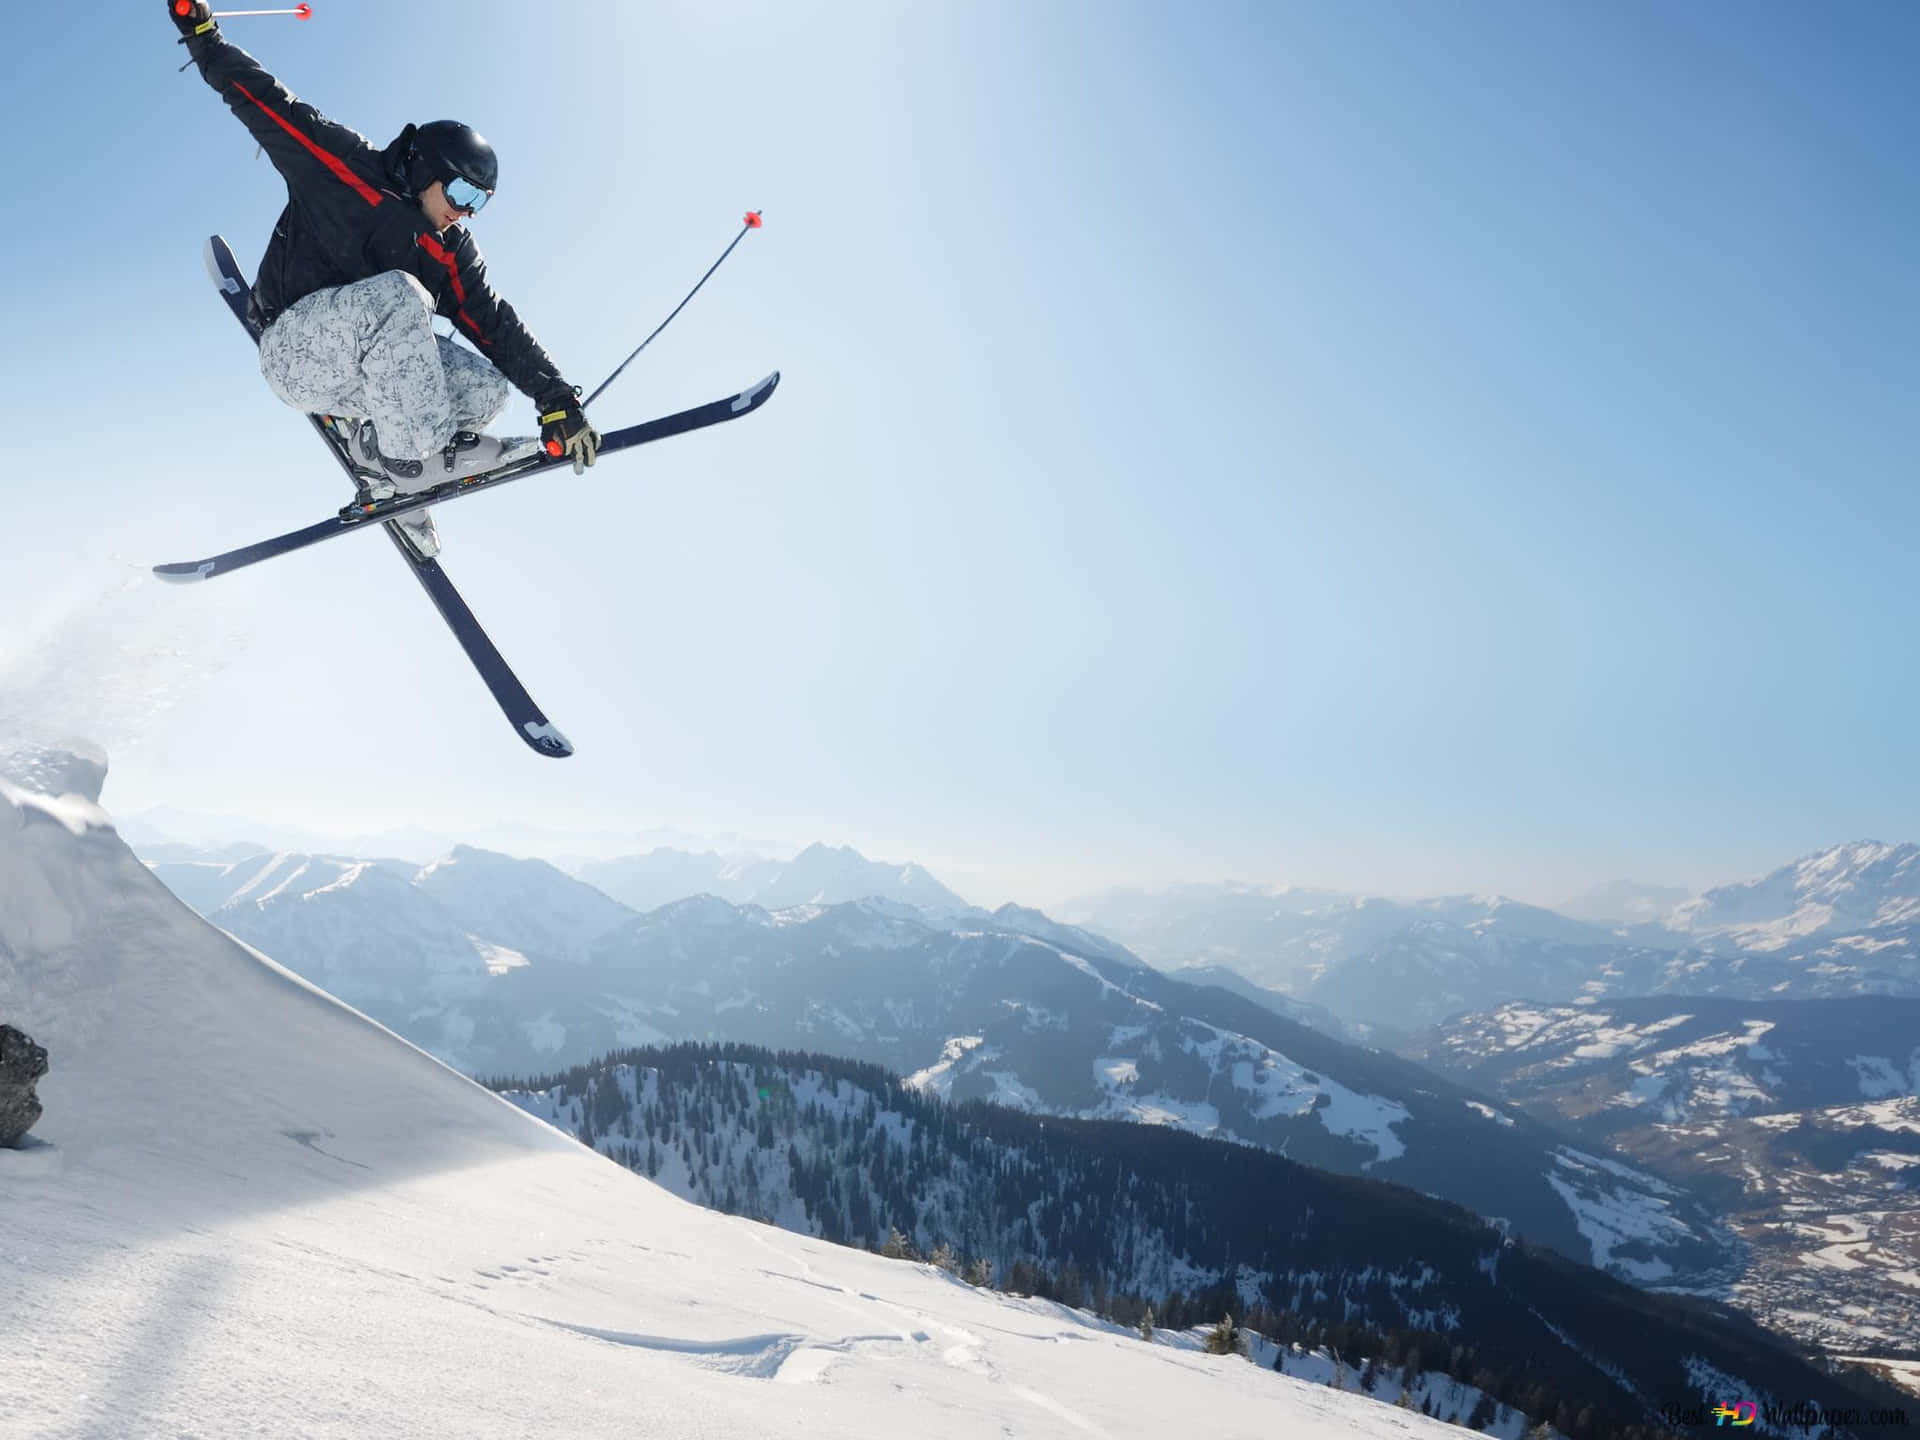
[369, 249]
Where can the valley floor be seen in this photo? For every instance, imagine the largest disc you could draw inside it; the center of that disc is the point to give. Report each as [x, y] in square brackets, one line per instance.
[1833, 1255]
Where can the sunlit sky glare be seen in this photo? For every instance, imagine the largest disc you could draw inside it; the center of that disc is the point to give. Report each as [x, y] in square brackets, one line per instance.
[1401, 447]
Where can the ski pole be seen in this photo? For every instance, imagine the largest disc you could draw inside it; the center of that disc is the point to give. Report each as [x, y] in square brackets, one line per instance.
[304, 12]
[752, 222]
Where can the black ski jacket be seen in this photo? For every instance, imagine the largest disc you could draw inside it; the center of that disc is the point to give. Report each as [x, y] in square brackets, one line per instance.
[350, 216]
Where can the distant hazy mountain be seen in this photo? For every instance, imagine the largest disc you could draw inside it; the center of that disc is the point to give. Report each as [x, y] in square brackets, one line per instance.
[172, 826]
[1623, 902]
[1799, 1120]
[1221, 924]
[818, 875]
[1845, 921]
[1398, 964]
[156, 852]
[663, 875]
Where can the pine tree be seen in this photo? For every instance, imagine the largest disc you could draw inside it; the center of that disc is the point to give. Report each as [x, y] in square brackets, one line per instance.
[1226, 1339]
[1146, 1324]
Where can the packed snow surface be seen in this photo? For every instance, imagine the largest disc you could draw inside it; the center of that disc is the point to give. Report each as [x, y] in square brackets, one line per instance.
[249, 1210]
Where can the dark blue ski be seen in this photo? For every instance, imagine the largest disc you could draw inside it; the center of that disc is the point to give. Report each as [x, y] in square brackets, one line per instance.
[361, 516]
[528, 720]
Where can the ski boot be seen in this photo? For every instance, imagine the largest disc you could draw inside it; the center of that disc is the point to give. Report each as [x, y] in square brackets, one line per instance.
[470, 453]
[467, 455]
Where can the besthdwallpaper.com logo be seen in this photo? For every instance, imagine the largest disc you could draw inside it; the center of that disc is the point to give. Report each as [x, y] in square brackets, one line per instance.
[1778, 1417]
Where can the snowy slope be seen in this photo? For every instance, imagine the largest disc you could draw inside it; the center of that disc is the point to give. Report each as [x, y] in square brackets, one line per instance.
[250, 1210]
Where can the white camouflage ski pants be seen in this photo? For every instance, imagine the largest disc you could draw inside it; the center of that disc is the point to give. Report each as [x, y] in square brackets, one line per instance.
[368, 351]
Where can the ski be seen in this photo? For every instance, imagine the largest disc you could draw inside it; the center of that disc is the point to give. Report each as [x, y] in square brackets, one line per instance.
[359, 516]
[528, 720]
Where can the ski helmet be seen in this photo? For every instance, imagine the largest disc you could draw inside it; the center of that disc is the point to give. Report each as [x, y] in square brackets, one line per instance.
[454, 150]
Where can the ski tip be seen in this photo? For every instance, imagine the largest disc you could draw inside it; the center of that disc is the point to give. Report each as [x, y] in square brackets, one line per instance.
[184, 572]
[221, 266]
[547, 740]
[755, 396]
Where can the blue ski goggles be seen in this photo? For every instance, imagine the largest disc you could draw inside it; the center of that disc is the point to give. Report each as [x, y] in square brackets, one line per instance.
[463, 194]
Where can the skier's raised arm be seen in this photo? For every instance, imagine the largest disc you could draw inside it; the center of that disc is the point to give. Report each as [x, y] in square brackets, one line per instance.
[303, 144]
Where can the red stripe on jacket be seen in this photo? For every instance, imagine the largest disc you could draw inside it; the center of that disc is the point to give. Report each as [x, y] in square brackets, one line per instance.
[446, 257]
[327, 158]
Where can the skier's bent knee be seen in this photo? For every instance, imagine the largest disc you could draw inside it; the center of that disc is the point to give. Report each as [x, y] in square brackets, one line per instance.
[400, 282]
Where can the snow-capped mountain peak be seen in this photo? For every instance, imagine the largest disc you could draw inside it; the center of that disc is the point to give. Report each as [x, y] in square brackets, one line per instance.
[819, 875]
[1843, 889]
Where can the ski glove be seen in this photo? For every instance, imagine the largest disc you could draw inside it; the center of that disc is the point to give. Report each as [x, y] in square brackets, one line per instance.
[192, 17]
[564, 430]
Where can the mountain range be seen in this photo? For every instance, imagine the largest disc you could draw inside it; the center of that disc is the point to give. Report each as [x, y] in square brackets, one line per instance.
[513, 967]
[1842, 921]
[818, 875]
[504, 966]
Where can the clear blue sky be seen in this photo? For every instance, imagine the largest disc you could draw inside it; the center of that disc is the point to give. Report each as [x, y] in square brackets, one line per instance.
[1396, 446]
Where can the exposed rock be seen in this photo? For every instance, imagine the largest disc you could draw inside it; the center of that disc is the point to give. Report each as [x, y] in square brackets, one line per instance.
[22, 1063]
